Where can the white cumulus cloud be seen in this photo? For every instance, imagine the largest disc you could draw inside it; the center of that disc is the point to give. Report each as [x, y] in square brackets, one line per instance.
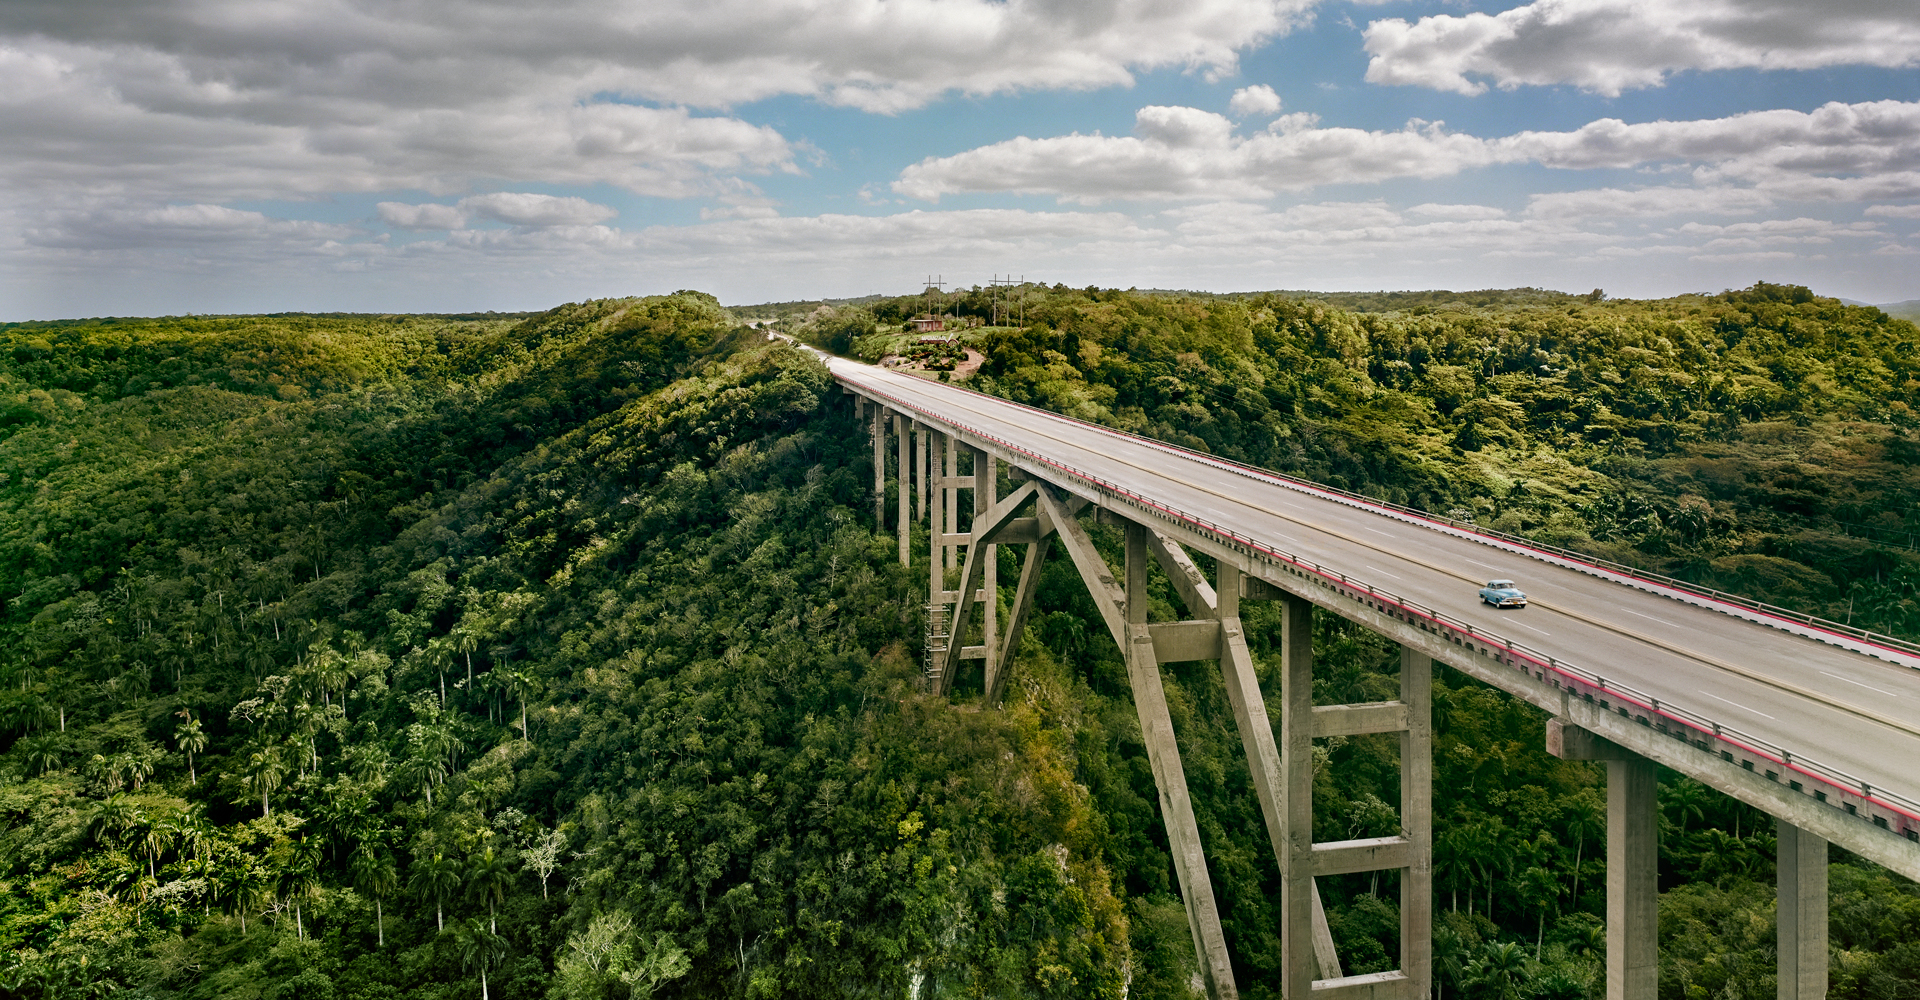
[1189, 153]
[191, 228]
[1610, 46]
[1653, 202]
[1259, 99]
[404, 216]
[521, 209]
[1837, 152]
[511, 207]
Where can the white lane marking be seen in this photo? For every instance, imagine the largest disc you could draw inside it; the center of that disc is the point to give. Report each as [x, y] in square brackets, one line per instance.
[1380, 571]
[1855, 683]
[1737, 705]
[1482, 565]
[1524, 625]
[1377, 531]
[1662, 621]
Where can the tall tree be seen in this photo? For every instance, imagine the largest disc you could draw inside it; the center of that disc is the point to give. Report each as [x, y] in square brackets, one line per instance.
[190, 738]
[373, 875]
[480, 948]
[436, 878]
[488, 877]
[265, 768]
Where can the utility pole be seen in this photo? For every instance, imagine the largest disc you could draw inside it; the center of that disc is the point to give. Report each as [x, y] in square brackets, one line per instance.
[1001, 291]
[936, 284]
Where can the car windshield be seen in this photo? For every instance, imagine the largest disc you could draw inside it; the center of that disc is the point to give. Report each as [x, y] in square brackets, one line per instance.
[1500, 585]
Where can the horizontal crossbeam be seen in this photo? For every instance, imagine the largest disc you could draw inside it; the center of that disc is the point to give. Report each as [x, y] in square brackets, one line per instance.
[1372, 986]
[1358, 720]
[1175, 642]
[1344, 857]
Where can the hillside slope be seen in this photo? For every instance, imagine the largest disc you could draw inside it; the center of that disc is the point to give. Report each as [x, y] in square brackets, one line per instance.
[557, 656]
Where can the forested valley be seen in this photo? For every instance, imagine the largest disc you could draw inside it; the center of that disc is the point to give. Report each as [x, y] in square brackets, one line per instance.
[559, 656]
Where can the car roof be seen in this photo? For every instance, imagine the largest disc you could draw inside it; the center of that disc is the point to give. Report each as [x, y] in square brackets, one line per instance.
[1500, 584]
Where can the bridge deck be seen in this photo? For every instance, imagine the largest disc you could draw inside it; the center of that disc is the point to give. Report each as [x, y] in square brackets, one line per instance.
[1837, 706]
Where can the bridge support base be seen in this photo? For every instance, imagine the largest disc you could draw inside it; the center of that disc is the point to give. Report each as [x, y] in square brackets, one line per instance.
[1633, 883]
[1802, 914]
[1308, 966]
[1633, 858]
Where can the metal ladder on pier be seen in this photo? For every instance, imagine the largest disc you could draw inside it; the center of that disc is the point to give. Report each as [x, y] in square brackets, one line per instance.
[938, 638]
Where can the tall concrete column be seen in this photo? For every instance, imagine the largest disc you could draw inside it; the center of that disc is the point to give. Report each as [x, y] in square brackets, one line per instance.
[1633, 858]
[986, 493]
[925, 511]
[1296, 809]
[936, 520]
[903, 479]
[1416, 822]
[1802, 913]
[1170, 777]
[1633, 888]
[950, 501]
[879, 469]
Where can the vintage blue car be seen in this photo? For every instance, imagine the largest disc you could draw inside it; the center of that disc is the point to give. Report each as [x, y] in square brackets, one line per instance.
[1501, 594]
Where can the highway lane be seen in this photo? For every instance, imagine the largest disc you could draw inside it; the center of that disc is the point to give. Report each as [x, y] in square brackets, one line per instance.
[1839, 707]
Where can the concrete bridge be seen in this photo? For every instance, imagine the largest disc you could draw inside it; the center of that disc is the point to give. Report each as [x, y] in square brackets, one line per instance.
[1816, 724]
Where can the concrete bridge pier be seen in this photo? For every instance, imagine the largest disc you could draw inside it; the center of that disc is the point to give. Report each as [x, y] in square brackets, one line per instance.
[1802, 913]
[1633, 858]
[903, 478]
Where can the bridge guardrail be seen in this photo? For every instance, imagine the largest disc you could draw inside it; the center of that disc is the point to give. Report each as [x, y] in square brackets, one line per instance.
[1853, 791]
[1469, 528]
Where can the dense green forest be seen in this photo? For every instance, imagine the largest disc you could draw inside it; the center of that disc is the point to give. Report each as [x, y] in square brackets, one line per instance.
[558, 656]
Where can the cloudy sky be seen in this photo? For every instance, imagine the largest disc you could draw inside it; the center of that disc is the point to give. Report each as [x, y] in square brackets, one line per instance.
[172, 156]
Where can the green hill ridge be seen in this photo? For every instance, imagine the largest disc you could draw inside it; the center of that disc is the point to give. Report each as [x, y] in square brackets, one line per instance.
[557, 655]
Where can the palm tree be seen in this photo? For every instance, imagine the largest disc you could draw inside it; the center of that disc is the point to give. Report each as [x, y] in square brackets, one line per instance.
[427, 772]
[1454, 848]
[264, 771]
[520, 686]
[1584, 819]
[112, 818]
[155, 839]
[1500, 966]
[480, 948]
[332, 671]
[191, 739]
[248, 885]
[489, 877]
[436, 877]
[465, 641]
[373, 874]
[1541, 888]
[43, 752]
[1687, 800]
[298, 864]
[1483, 844]
[439, 652]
